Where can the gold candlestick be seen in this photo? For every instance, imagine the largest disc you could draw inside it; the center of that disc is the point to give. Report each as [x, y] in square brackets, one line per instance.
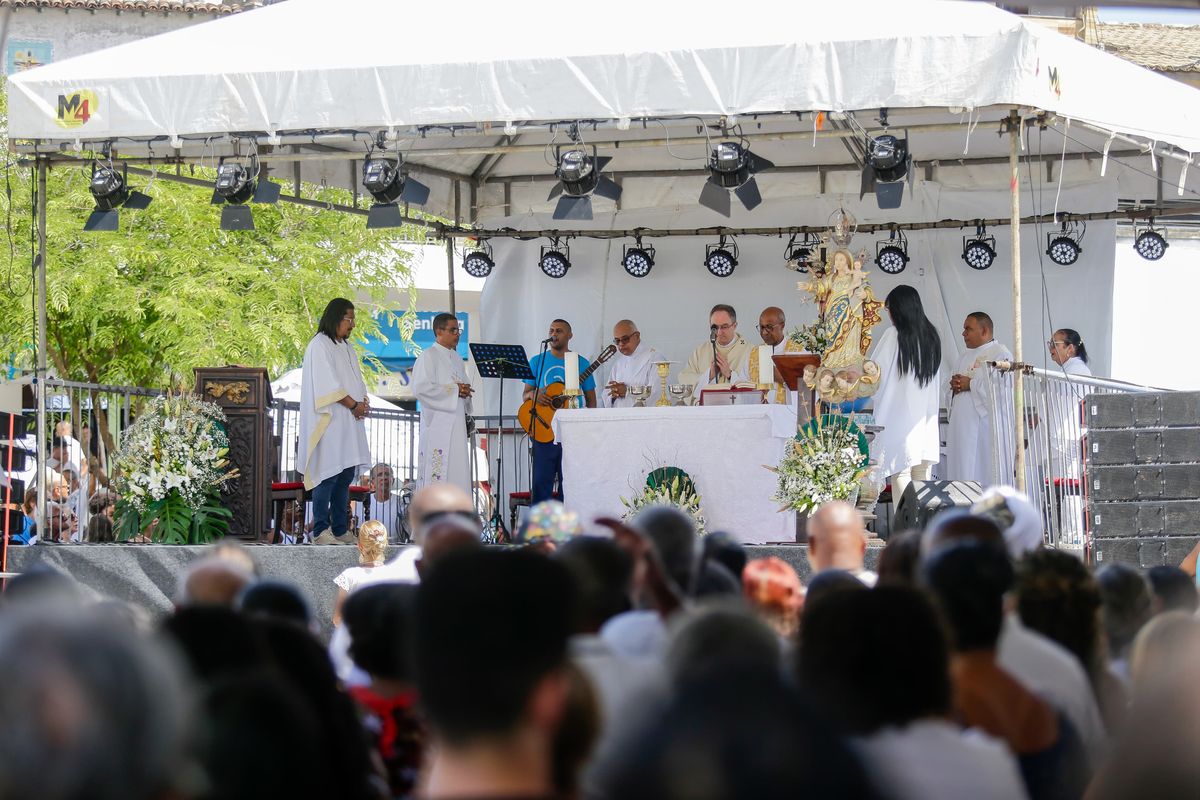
[664, 370]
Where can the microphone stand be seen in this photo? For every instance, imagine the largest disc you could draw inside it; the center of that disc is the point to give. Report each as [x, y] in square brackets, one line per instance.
[535, 419]
[712, 337]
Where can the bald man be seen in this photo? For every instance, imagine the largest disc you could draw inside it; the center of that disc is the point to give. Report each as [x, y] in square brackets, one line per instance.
[212, 581]
[437, 502]
[633, 365]
[837, 539]
[772, 327]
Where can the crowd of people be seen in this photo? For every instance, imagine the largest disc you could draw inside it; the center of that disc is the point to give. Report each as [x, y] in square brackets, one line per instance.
[79, 505]
[617, 659]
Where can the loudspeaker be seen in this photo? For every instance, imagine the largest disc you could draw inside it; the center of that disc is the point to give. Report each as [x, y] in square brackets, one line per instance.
[923, 499]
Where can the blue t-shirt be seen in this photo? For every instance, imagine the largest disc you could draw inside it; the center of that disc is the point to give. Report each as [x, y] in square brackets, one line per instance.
[554, 372]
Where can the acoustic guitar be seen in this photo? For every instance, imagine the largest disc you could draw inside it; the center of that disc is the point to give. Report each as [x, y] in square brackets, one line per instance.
[539, 427]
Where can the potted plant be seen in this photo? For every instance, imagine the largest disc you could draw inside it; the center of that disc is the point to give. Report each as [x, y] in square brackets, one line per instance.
[826, 461]
[170, 468]
[668, 486]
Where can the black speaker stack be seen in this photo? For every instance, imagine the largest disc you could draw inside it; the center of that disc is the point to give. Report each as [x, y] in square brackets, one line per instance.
[1142, 476]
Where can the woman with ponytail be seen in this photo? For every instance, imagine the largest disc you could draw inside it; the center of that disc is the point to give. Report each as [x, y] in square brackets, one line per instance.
[909, 355]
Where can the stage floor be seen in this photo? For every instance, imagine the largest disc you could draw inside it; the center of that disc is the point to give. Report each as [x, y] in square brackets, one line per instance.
[147, 575]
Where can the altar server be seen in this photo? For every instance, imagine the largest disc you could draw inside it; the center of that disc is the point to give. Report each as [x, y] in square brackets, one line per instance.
[969, 440]
[439, 382]
[333, 440]
[727, 364]
[906, 405]
[632, 366]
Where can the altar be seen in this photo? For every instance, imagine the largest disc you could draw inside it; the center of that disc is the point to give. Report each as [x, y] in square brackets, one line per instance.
[725, 449]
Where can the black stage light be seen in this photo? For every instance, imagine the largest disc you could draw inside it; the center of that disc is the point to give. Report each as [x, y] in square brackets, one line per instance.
[478, 262]
[578, 174]
[1151, 242]
[979, 251]
[1064, 249]
[638, 260]
[236, 185]
[892, 256]
[111, 192]
[555, 261]
[798, 253]
[732, 166]
[888, 166]
[721, 260]
[385, 180]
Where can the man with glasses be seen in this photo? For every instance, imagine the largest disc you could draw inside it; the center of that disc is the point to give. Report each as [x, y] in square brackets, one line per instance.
[632, 366]
[969, 440]
[723, 359]
[439, 382]
[772, 326]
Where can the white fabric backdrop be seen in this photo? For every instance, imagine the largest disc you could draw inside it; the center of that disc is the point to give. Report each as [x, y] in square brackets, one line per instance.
[671, 305]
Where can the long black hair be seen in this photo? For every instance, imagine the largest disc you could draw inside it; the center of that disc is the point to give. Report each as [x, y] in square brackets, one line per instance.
[332, 317]
[1071, 337]
[920, 345]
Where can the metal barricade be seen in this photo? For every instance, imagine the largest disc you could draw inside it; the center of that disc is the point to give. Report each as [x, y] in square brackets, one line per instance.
[392, 435]
[1053, 430]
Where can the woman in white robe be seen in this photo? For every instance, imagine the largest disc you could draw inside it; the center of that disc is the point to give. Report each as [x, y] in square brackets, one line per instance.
[1066, 430]
[909, 356]
[333, 444]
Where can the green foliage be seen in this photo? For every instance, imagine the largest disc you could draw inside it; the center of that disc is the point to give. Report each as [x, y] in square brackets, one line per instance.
[171, 291]
[171, 521]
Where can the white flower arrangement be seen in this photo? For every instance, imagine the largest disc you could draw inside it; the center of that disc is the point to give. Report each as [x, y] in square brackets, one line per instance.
[170, 468]
[814, 338]
[678, 492]
[821, 464]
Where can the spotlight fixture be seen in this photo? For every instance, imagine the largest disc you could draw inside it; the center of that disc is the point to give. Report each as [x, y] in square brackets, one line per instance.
[1151, 242]
[888, 164]
[892, 257]
[110, 191]
[979, 251]
[797, 254]
[478, 261]
[721, 260]
[555, 261]
[731, 165]
[638, 260]
[386, 181]
[238, 184]
[1064, 249]
[579, 177]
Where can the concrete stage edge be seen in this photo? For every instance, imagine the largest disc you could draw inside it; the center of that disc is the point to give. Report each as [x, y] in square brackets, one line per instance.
[147, 575]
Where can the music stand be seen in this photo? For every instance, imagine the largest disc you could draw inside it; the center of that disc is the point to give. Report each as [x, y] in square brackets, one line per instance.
[500, 361]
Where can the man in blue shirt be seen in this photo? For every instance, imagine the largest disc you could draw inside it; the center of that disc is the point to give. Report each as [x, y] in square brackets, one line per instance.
[548, 369]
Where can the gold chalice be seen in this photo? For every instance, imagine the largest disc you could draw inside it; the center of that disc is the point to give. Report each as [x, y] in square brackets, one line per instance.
[664, 371]
[640, 393]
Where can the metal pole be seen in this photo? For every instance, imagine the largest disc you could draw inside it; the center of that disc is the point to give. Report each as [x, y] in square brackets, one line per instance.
[450, 270]
[1014, 131]
[41, 372]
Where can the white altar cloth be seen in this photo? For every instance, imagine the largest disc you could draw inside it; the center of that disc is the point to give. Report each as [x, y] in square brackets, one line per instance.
[607, 453]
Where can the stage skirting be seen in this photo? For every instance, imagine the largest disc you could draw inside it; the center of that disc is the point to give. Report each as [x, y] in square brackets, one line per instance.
[148, 576]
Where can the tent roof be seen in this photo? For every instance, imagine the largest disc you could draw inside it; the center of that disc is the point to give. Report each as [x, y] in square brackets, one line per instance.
[454, 93]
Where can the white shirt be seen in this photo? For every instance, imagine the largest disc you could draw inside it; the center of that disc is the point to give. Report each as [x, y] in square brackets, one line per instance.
[969, 440]
[931, 759]
[636, 634]
[633, 370]
[387, 512]
[907, 411]
[331, 439]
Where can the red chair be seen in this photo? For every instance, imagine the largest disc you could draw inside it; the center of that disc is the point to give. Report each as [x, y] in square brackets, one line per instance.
[294, 491]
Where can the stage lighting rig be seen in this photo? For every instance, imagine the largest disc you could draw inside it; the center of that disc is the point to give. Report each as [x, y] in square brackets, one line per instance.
[731, 166]
[888, 166]
[111, 191]
[555, 260]
[979, 251]
[385, 178]
[891, 254]
[579, 177]
[720, 260]
[1064, 249]
[478, 261]
[638, 260]
[1150, 242]
[798, 253]
[239, 183]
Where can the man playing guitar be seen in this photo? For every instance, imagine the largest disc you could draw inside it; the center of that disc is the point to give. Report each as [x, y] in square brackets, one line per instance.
[548, 369]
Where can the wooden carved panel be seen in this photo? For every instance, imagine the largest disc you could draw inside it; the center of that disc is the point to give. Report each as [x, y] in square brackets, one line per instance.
[229, 393]
[239, 493]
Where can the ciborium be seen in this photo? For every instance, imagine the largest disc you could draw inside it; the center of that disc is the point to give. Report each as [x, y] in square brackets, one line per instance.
[639, 394]
[680, 391]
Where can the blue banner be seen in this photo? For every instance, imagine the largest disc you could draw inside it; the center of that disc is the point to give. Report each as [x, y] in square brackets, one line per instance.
[397, 354]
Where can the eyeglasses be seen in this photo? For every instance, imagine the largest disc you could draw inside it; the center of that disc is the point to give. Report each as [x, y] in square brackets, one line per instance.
[452, 330]
[1054, 343]
[620, 340]
[727, 327]
[770, 327]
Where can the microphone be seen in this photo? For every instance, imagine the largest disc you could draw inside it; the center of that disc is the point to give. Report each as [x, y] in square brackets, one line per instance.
[548, 341]
[712, 337]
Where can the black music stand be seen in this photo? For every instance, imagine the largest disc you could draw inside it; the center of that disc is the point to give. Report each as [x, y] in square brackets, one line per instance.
[500, 361]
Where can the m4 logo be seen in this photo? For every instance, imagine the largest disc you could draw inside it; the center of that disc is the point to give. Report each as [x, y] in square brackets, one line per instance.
[76, 108]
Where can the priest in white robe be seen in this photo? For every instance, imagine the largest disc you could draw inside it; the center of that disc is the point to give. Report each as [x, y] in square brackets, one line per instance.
[333, 439]
[730, 365]
[969, 453]
[633, 365]
[772, 325]
[439, 382]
